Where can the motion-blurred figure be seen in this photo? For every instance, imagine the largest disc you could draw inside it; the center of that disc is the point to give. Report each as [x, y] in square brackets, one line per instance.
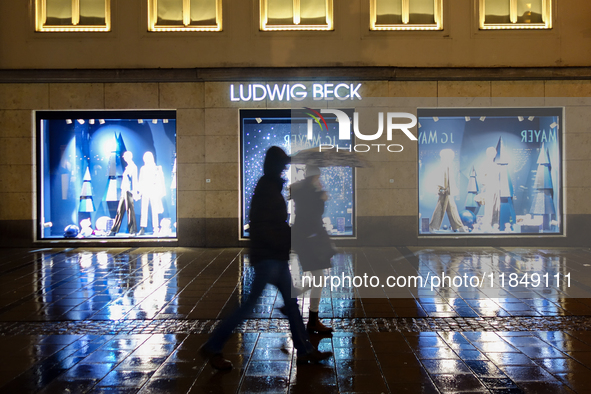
[270, 244]
[310, 239]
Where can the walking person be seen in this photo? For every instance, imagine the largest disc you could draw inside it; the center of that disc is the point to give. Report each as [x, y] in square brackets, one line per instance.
[310, 240]
[270, 244]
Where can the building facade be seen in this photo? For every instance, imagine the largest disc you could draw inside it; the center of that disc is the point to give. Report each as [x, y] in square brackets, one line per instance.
[456, 59]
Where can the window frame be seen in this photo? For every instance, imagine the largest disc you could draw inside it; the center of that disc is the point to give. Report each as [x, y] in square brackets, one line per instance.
[546, 18]
[153, 19]
[41, 17]
[264, 26]
[437, 15]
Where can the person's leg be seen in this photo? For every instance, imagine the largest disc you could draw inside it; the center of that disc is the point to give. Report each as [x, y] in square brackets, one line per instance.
[316, 292]
[314, 323]
[281, 278]
[223, 331]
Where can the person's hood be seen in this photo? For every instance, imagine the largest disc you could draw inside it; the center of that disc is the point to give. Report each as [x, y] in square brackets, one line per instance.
[275, 161]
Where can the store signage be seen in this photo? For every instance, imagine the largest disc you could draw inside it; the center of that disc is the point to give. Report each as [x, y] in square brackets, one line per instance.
[296, 92]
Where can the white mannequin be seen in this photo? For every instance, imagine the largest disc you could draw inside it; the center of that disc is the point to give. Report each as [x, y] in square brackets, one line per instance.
[490, 195]
[151, 188]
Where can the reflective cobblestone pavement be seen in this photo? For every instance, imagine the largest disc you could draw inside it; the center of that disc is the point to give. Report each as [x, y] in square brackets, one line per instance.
[131, 320]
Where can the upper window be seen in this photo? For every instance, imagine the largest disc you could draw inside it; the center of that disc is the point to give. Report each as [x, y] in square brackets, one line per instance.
[515, 14]
[185, 15]
[406, 15]
[296, 15]
[72, 15]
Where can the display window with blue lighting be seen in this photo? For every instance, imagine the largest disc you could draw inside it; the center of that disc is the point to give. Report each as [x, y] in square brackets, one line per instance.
[261, 129]
[490, 171]
[106, 174]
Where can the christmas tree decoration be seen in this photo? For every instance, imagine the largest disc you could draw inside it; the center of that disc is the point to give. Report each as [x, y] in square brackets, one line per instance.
[543, 201]
[86, 202]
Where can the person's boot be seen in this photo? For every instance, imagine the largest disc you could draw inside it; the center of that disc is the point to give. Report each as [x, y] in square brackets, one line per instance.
[142, 231]
[315, 325]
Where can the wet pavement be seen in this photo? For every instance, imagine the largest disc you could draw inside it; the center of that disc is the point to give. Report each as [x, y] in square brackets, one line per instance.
[128, 320]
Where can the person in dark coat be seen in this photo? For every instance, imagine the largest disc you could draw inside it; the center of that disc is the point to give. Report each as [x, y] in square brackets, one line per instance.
[310, 239]
[270, 244]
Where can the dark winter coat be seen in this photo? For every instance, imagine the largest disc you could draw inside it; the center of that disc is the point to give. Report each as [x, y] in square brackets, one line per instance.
[270, 234]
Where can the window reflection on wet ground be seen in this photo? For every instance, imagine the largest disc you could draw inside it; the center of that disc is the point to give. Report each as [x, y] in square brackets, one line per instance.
[131, 320]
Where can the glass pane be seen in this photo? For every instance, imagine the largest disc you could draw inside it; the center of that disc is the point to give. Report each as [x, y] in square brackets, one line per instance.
[497, 11]
[280, 12]
[107, 174]
[422, 11]
[389, 12]
[59, 12]
[170, 12]
[313, 12]
[261, 129]
[529, 11]
[92, 12]
[203, 12]
[489, 172]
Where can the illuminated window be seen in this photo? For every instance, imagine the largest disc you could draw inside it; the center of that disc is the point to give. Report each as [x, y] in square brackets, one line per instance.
[185, 15]
[515, 14]
[296, 15]
[406, 15]
[72, 15]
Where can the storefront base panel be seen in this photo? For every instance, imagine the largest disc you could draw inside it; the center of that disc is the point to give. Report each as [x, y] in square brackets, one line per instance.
[16, 233]
[371, 231]
[191, 232]
[210, 232]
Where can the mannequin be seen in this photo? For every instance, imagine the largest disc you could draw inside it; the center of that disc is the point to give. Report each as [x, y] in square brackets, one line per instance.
[491, 187]
[151, 188]
[446, 191]
[129, 194]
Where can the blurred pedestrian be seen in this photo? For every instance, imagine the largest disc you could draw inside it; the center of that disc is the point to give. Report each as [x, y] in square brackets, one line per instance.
[270, 244]
[310, 240]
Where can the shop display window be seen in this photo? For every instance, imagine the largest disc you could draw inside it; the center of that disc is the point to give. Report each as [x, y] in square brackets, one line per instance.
[106, 174]
[73, 15]
[515, 14]
[406, 15]
[184, 15]
[261, 129]
[490, 171]
[296, 15]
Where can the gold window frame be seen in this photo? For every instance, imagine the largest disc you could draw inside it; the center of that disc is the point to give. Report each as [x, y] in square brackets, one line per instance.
[265, 26]
[546, 18]
[41, 18]
[153, 19]
[437, 15]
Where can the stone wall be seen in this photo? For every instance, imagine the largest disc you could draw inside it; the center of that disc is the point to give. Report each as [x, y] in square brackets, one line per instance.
[208, 149]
